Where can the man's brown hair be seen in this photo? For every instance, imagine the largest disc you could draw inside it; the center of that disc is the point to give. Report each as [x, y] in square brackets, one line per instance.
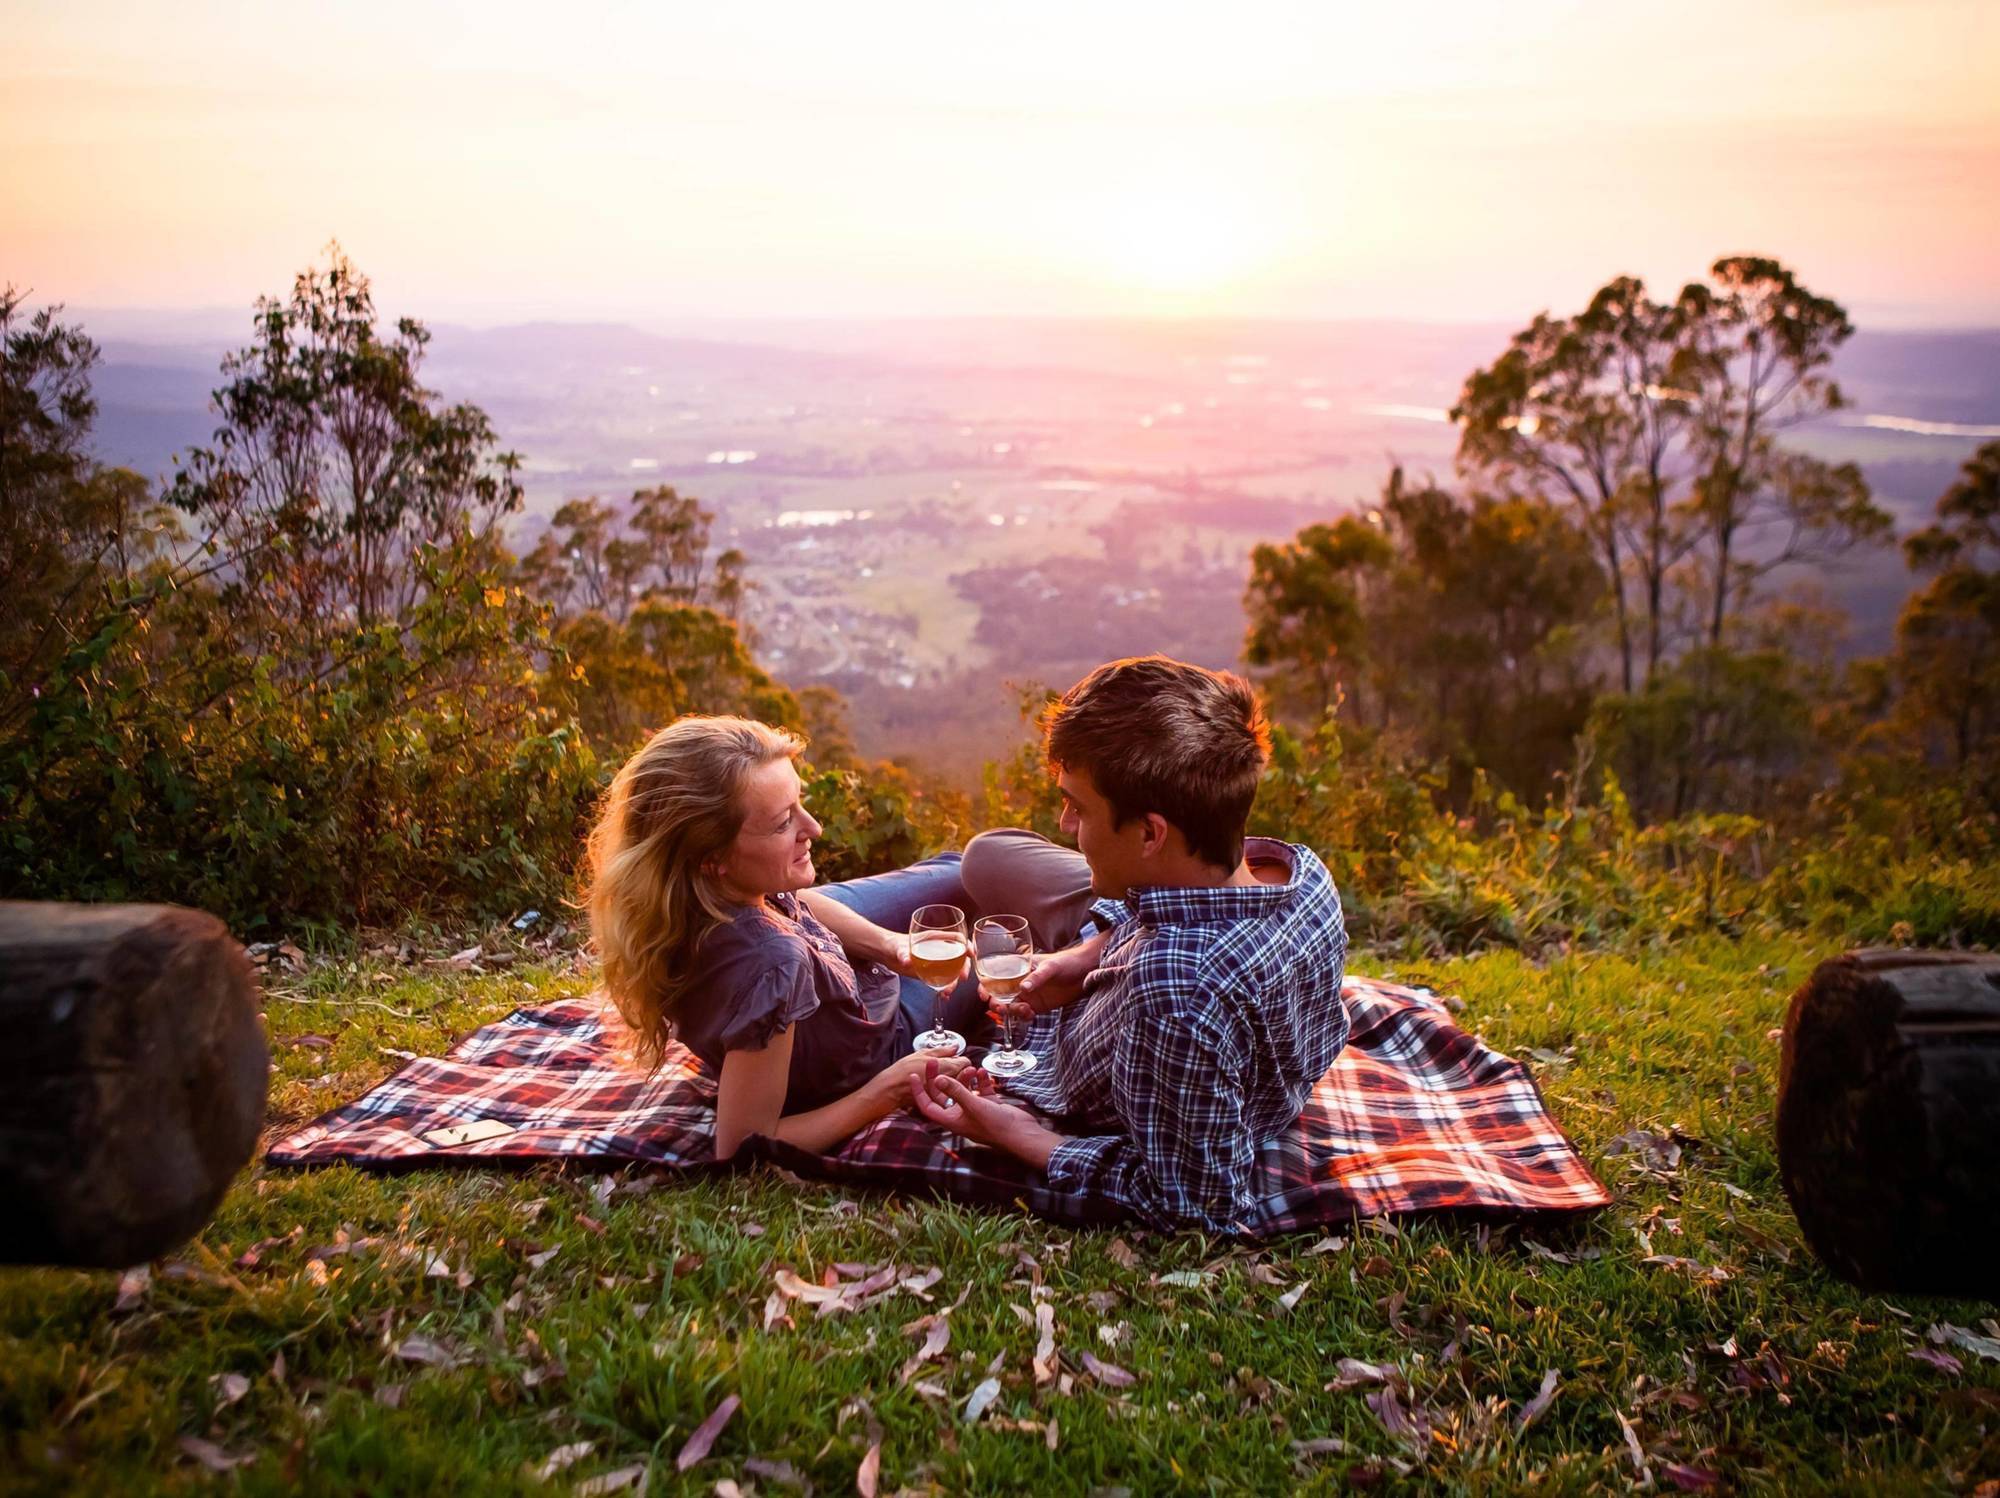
[1159, 735]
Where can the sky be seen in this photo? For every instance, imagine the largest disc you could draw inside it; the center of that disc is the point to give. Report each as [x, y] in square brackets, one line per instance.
[654, 160]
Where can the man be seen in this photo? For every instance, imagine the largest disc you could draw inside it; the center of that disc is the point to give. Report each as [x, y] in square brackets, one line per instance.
[1188, 1026]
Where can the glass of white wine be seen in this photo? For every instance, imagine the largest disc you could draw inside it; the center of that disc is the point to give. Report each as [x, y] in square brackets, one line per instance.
[938, 948]
[1002, 953]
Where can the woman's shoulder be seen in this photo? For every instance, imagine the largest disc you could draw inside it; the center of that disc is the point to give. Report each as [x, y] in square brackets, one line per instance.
[756, 935]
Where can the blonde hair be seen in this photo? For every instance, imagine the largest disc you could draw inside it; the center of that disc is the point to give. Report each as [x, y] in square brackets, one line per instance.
[671, 808]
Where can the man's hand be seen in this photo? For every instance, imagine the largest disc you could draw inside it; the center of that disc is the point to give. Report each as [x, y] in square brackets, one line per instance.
[979, 1114]
[1058, 978]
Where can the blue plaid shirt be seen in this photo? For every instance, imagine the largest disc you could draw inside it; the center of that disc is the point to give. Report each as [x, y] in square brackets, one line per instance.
[1211, 1015]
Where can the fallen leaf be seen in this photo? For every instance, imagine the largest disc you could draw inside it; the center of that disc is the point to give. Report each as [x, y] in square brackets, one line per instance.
[416, 1349]
[869, 1472]
[1185, 1278]
[589, 1224]
[536, 1261]
[1694, 1267]
[1543, 1251]
[459, 959]
[132, 1287]
[228, 1388]
[1535, 1408]
[1121, 1254]
[782, 1473]
[1327, 1246]
[1101, 1301]
[704, 1436]
[726, 1487]
[1937, 1359]
[1293, 1296]
[617, 1481]
[982, 1398]
[213, 1456]
[1108, 1374]
[1263, 1274]
[937, 1333]
[1659, 1152]
[794, 1288]
[1051, 1436]
[774, 1309]
[1318, 1446]
[753, 1229]
[1353, 1373]
[1689, 1478]
[561, 1457]
[1966, 1338]
[390, 1396]
[1632, 1447]
[1409, 1423]
[311, 1042]
[1045, 1344]
[1374, 1267]
[918, 1283]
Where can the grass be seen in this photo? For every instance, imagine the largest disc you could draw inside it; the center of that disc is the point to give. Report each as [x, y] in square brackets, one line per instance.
[652, 1310]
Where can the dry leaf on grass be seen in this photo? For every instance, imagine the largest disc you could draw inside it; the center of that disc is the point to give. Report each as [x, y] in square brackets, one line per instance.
[213, 1456]
[1353, 1373]
[1108, 1374]
[704, 1436]
[784, 1474]
[561, 1457]
[753, 1229]
[1121, 1254]
[1318, 1446]
[869, 1473]
[936, 1331]
[617, 1481]
[1293, 1296]
[228, 1388]
[436, 1353]
[1045, 1344]
[1535, 1408]
[132, 1287]
[1186, 1279]
[1937, 1359]
[1690, 1478]
[1967, 1339]
[1327, 1246]
[981, 1400]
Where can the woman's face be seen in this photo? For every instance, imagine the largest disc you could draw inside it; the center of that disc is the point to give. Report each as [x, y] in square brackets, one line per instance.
[772, 850]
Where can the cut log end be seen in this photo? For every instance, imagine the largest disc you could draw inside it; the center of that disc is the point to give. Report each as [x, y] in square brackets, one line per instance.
[1888, 1119]
[132, 1089]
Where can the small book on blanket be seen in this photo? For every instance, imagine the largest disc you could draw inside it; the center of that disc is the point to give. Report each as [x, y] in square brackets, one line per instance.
[1414, 1116]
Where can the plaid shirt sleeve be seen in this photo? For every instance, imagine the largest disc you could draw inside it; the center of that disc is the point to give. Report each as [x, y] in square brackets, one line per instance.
[1184, 1159]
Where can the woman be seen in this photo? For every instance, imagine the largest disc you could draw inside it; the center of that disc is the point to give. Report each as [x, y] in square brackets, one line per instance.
[711, 934]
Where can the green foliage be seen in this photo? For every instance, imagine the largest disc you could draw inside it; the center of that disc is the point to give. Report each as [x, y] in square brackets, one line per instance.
[1457, 625]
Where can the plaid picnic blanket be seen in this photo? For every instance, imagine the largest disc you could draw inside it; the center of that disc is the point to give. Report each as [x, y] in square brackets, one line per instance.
[1414, 1116]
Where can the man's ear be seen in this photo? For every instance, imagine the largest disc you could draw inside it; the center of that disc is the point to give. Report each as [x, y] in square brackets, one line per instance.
[1153, 838]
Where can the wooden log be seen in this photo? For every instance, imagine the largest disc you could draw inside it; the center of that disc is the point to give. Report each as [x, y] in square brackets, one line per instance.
[1889, 1119]
[133, 1076]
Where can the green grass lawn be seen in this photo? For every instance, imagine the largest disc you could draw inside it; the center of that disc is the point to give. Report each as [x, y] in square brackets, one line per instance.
[455, 1331]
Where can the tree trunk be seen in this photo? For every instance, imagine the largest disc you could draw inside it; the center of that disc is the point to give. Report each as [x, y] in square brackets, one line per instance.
[133, 1080]
[1889, 1119]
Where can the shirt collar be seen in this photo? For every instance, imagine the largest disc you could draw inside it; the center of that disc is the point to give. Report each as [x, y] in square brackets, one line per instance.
[1167, 904]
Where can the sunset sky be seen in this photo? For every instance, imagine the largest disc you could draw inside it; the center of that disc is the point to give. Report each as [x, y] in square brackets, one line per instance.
[651, 161]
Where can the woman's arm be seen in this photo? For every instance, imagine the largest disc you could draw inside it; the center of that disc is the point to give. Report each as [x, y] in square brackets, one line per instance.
[860, 936]
[751, 1099]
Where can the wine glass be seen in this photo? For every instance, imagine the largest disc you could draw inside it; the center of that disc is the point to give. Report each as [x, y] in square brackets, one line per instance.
[938, 948]
[1002, 952]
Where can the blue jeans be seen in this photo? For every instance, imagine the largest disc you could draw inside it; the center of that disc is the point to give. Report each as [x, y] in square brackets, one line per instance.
[889, 900]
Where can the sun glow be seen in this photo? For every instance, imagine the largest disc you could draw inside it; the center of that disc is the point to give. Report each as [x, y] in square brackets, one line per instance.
[1181, 241]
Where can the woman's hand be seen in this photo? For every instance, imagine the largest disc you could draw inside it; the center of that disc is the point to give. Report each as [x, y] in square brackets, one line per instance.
[889, 1089]
[967, 1104]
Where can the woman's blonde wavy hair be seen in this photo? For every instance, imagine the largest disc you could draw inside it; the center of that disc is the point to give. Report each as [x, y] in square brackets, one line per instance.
[671, 808]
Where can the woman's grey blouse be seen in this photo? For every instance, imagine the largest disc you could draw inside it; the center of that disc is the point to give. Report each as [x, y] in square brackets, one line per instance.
[774, 967]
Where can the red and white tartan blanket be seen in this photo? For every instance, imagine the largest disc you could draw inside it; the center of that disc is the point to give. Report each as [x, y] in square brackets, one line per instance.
[1414, 1116]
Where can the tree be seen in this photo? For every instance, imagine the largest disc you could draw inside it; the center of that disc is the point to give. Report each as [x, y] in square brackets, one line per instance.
[1765, 342]
[1461, 621]
[1657, 422]
[1307, 601]
[1947, 657]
